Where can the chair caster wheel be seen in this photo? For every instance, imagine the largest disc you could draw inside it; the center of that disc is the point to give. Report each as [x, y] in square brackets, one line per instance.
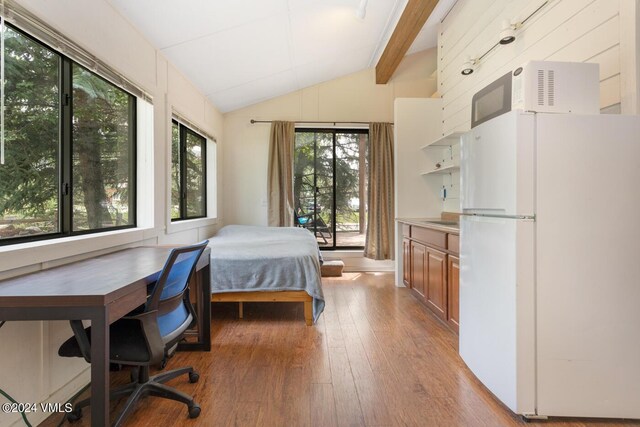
[194, 411]
[194, 377]
[163, 364]
[75, 415]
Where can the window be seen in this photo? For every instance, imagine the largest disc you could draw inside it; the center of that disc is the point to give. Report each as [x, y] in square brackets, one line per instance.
[188, 173]
[67, 163]
[329, 186]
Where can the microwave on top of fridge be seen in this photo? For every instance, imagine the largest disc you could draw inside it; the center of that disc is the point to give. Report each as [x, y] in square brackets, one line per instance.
[542, 87]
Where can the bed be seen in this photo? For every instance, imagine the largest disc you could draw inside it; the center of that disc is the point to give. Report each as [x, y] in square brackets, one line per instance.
[252, 263]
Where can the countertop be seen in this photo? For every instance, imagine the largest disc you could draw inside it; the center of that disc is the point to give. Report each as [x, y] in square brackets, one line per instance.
[426, 223]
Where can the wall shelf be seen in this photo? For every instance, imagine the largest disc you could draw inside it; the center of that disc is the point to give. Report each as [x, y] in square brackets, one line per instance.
[443, 170]
[446, 141]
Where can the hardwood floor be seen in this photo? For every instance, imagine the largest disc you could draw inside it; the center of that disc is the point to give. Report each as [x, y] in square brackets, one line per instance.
[375, 358]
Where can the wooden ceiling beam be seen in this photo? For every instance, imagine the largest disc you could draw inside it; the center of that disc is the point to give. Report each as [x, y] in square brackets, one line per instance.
[413, 18]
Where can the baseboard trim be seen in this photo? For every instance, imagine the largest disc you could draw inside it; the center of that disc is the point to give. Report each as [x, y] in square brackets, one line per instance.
[354, 261]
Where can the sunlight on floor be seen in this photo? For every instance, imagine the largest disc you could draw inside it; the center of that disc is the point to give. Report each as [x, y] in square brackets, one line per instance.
[347, 276]
[355, 275]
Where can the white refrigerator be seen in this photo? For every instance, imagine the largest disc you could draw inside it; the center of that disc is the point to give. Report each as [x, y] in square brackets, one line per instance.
[550, 262]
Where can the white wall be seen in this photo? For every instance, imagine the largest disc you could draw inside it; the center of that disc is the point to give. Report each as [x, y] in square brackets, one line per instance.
[355, 97]
[597, 31]
[31, 370]
[600, 31]
[352, 98]
[417, 122]
[630, 58]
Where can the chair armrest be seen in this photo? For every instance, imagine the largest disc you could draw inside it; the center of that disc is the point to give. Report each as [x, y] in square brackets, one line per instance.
[149, 322]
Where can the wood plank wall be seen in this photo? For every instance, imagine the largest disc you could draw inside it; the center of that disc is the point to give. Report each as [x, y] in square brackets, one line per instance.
[564, 30]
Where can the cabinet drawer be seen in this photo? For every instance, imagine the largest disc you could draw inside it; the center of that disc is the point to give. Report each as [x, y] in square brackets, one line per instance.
[429, 237]
[406, 230]
[453, 243]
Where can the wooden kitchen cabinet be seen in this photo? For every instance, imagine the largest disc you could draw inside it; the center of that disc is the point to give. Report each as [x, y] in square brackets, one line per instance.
[418, 268]
[431, 269]
[436, 283]
[406, 262]
[453, 292]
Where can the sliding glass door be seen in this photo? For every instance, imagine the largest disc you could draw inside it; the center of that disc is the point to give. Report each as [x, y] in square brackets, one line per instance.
[330, 185]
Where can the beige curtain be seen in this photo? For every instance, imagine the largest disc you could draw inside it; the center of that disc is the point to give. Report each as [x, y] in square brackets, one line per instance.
[280, 174]
[380, 219]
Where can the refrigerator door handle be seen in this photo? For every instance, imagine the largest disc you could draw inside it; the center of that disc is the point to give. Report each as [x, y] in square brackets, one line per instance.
[483, 211]
[477, 213]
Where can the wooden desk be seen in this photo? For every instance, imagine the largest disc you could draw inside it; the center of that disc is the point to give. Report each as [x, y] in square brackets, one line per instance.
[101, 289]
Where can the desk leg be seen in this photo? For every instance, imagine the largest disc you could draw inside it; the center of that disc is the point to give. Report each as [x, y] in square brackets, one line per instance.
[100, 369]
[203, 310]
[205, 301]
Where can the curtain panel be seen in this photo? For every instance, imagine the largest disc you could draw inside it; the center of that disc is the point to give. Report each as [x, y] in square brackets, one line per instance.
[380, 220]
[280, 174]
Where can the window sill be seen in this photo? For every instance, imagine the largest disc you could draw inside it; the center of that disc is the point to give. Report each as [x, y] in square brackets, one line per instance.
[190, 224]
[50, 252]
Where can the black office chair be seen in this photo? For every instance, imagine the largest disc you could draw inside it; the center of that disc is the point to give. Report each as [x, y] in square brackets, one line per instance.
[148, 336]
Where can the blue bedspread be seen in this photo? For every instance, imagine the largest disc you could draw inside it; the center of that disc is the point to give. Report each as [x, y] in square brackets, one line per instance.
[248, 258]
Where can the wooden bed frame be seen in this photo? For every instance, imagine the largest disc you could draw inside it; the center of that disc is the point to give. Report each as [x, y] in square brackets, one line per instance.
[279, 296]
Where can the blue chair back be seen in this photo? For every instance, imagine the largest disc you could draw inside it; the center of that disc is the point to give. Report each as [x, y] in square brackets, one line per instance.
[170, 296]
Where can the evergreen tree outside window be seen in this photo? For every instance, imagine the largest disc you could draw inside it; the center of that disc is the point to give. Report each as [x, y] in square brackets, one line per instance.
[69, 146]
[330, 185]
[188, 173]
[102, 156]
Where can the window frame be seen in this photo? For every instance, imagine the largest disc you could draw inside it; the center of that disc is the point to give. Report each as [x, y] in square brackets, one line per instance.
[65, 151]
[334, 131]
[183, 131]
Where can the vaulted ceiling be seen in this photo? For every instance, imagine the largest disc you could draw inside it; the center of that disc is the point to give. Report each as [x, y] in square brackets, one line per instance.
[239, 52]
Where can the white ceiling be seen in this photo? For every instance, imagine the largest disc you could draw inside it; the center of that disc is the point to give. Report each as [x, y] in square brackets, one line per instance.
[239, 52]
